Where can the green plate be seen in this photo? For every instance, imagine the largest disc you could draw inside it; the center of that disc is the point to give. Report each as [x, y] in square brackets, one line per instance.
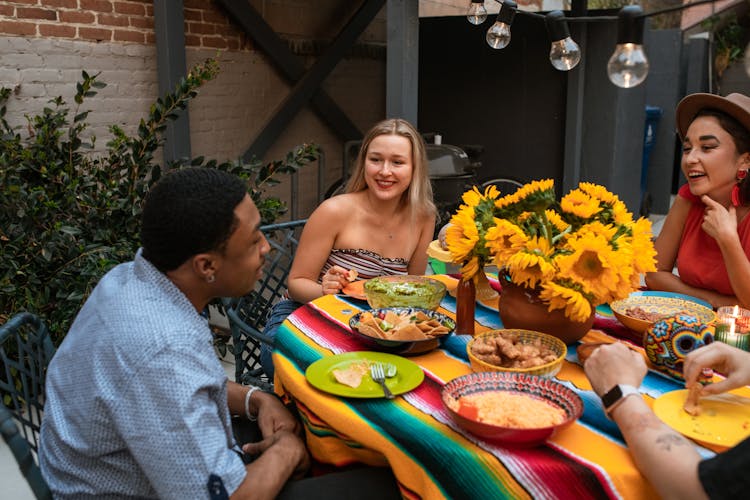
[320, 375]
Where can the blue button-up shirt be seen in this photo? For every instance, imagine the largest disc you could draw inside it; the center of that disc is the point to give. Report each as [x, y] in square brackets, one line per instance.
[136, 396]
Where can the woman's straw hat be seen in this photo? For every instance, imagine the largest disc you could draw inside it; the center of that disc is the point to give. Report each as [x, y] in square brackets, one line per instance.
[735, 105]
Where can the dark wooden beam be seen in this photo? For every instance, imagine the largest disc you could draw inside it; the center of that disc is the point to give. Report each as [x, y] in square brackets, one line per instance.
[291, 67]
[169, 26]
[402, 66]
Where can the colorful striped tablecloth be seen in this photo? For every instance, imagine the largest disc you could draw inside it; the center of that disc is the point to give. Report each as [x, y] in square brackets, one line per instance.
[431, 457]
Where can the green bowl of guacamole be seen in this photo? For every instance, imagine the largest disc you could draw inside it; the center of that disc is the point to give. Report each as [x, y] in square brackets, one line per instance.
[404, 291]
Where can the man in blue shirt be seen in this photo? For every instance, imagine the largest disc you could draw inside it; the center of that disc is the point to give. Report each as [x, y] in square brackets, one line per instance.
[138, 405]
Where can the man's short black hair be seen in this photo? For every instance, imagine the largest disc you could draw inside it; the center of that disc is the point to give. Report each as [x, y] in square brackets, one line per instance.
[187, 212]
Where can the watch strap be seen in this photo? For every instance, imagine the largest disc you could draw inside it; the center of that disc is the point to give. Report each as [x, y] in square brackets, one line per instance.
[615, 396]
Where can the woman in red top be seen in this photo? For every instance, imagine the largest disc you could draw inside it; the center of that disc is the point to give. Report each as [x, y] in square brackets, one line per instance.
[707, 231]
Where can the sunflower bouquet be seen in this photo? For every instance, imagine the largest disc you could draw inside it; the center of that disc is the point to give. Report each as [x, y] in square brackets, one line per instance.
[581, 252]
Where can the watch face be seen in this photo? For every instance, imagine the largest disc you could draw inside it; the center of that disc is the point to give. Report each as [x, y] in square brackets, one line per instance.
[612, 396]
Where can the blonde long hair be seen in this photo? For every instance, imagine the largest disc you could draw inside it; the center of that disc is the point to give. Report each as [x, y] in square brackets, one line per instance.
[419, 195]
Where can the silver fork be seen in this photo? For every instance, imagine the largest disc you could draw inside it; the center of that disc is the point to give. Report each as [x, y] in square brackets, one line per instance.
[378, 375]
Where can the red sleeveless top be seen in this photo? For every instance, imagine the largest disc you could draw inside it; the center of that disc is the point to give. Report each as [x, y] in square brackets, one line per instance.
[699, 259]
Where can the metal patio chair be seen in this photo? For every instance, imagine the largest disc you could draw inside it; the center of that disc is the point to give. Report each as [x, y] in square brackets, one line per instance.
[248, 315]
[25, 352]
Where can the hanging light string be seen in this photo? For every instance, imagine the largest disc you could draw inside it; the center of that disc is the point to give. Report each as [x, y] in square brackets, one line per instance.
[628, 65]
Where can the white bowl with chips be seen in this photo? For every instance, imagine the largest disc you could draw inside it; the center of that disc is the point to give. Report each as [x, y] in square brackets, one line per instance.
[402, 330]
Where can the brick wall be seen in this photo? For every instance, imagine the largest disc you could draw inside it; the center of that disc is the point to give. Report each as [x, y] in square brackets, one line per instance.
[116, 21]
[44, 45]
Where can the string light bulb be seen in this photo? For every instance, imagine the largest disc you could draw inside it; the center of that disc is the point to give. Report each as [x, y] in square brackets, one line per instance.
[628, 66]
[564, 54]
[476, 14]
[498, 36]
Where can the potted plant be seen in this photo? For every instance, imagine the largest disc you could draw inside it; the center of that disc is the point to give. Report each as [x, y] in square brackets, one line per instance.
[564, 257]
[69, 215]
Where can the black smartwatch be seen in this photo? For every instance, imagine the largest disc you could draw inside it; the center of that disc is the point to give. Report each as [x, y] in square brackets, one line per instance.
[616, 395]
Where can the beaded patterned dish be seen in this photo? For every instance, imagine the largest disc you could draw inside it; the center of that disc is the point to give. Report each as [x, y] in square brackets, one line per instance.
[662, 304]
[539, 388]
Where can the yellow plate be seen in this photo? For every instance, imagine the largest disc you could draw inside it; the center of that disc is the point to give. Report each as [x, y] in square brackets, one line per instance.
[724, 418]
[436, 251]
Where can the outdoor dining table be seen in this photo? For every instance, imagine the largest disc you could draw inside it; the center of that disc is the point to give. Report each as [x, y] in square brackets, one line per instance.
[413, 434]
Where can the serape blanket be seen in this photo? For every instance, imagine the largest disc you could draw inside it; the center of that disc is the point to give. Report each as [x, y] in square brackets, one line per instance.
[413, 434]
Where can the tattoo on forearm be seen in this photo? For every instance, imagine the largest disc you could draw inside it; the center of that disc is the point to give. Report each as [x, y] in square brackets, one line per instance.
[667, 441]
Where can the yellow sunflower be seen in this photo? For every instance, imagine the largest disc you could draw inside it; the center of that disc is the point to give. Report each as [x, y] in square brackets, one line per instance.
[462, 235]
[525, 192]
[641, 241]
[532, 263]
[578, 253]
[504, 239]
[577, 307]
[556, 220]
[580, 204]
[592, 262]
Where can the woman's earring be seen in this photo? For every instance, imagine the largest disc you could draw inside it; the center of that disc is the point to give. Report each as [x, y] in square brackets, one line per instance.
[741, 174]
[211, 278]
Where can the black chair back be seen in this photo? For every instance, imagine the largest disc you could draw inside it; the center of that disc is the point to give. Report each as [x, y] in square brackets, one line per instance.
[25, 352]
[248, 315]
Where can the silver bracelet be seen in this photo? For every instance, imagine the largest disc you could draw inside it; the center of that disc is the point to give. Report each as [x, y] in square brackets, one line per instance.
[247, 404]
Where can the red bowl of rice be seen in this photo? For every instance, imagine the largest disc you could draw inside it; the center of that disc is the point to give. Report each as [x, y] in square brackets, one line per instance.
[511, 409]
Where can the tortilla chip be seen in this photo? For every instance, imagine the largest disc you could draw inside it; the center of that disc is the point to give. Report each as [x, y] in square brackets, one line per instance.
[421, 316]
[692, 403]
[392, 318]
[438, 330]
[371, 330]
[351, 375]
[352, 275]
[408, 331]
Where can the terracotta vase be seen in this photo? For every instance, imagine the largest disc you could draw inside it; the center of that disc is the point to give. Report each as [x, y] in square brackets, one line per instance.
[521, 308]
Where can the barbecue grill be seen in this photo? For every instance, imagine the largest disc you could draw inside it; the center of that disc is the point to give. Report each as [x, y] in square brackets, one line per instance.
[452, 171]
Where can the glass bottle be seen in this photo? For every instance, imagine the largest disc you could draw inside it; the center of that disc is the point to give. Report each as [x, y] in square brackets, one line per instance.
[465, 304]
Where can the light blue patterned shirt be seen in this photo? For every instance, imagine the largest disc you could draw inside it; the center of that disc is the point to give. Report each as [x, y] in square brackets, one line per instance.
[136, 396]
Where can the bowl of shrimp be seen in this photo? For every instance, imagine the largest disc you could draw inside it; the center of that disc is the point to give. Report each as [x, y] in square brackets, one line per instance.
[516, 350]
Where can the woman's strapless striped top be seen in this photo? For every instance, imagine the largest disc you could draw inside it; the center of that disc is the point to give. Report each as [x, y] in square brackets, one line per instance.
[367, 264]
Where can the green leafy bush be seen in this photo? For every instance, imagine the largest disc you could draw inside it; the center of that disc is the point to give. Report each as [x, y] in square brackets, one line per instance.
[68, 215]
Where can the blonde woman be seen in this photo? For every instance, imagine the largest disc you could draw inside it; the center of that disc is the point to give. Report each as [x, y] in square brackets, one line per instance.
[382, 225]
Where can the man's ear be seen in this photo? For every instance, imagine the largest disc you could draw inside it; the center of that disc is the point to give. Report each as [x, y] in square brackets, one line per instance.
[205, 266]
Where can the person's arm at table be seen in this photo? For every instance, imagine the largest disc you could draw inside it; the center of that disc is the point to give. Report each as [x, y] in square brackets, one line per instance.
[667, 459]
[418, 260]
[272, 415]
[315, 244]
[732, 362]
[721, 224]
[281, 453]
[667, 245]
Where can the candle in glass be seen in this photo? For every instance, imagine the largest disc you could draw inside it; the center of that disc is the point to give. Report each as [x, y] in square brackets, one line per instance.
[725, 332]
[737, 315]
